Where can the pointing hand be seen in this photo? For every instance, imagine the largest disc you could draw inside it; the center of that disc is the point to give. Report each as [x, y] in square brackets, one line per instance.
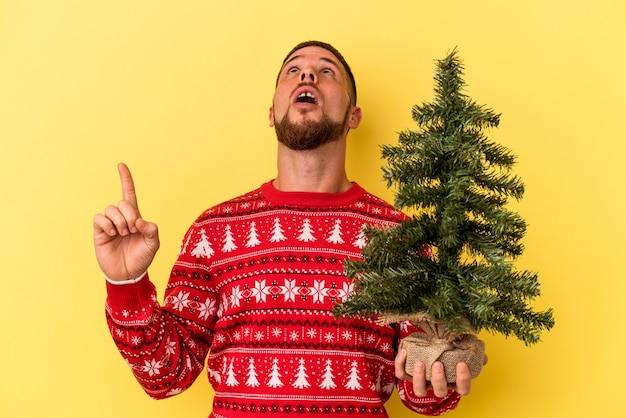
[125, 243]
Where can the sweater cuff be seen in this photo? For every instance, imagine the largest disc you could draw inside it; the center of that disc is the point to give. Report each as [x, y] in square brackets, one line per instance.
[121, 282]
[131, 302]
[430, 404]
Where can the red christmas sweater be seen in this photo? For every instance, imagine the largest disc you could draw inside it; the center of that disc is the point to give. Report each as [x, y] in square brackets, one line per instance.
[255, 284]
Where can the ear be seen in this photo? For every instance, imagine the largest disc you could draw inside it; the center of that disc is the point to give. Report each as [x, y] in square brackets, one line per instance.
[271, 116]
[355, 117]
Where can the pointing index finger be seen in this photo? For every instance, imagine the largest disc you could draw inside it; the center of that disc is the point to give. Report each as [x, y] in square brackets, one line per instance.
[128, 186]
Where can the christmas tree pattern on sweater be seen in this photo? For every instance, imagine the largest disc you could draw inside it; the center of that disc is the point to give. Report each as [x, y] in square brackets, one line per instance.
[255, 283]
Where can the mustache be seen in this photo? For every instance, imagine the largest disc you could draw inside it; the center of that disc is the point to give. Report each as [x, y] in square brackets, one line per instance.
[306, 84]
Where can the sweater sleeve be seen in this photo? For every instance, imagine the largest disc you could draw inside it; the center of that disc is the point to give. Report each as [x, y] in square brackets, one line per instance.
[165, 346]
[430, 404]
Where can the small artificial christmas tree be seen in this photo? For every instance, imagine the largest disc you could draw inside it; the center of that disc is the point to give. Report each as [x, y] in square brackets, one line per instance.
[449, 268]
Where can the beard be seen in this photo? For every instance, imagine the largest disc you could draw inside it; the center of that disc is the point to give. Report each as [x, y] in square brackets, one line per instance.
[309, 135]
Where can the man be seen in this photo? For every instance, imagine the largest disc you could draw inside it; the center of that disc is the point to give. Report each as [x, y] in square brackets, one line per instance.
[257, 276]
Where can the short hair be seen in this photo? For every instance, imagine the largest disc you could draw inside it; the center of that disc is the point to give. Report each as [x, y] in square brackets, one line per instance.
[336, 53]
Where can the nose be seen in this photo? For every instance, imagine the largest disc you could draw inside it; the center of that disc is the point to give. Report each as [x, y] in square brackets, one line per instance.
[307, 75]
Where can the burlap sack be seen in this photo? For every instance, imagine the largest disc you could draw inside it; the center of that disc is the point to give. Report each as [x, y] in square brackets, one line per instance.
[436, 343]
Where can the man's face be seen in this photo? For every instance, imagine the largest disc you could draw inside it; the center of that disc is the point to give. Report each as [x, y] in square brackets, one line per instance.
[311, 104]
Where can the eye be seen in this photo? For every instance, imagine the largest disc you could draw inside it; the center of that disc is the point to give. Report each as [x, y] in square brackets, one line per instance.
[329, 71]
[292, 70]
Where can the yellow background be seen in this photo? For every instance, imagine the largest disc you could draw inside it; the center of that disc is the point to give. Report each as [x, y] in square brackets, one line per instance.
[181, 90]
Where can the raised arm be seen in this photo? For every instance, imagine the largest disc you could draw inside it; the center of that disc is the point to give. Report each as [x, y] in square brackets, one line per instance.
[125, 243]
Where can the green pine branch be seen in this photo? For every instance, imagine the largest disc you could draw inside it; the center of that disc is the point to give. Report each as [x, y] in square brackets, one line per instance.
[458, 183]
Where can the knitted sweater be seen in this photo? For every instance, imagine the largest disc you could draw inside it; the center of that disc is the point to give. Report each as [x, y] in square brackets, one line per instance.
[255, 284]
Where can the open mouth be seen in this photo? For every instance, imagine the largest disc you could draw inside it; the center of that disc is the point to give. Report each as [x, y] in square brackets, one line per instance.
[306, 97]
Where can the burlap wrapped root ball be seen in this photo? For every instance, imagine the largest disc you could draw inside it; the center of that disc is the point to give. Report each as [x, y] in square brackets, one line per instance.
[437, 344]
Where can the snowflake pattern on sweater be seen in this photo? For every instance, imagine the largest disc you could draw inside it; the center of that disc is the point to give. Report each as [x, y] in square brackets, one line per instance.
[255, 283]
